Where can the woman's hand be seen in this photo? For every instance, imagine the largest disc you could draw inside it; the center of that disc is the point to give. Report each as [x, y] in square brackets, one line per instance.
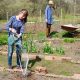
[46, 20]
[19, 35]
[12, 30]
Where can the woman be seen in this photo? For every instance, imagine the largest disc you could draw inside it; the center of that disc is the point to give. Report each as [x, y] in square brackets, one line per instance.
[15, 26]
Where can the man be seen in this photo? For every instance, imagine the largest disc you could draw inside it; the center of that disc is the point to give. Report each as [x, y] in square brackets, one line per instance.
[48, 17]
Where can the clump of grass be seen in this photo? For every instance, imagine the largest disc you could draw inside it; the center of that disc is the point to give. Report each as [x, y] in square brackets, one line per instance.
[48, 48]
[69, 40]
[54, 34]
[60, 50]
[66, 73]
[3, 39]
[30, 46]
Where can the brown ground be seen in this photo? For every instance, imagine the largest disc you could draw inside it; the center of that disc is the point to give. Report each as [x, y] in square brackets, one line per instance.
[71, 50]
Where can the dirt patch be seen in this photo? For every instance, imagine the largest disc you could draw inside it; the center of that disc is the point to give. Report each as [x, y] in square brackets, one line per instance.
[19, 76]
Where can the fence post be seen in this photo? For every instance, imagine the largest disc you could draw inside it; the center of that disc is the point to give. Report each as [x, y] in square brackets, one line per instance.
[40, 15]
[61, 15]
[7, 15]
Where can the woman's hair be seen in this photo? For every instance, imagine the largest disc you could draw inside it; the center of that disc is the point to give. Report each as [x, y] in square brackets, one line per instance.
[25, 13]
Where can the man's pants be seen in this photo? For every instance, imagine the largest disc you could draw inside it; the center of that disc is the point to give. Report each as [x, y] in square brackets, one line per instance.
[48, 29]
[18, 52]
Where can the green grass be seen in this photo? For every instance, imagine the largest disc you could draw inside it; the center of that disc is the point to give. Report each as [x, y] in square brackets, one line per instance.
[60, 51]
[3, 38]
[3, 21]
[41, 36]
[47, 49]
[3, 60]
